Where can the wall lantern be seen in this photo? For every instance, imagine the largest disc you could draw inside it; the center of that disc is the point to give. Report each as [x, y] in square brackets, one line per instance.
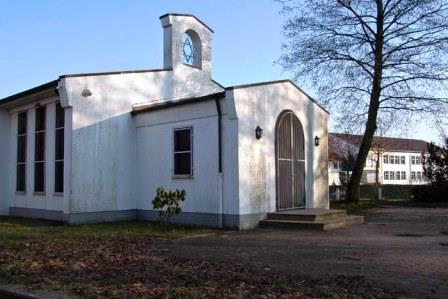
[316, 141]
[258, 132]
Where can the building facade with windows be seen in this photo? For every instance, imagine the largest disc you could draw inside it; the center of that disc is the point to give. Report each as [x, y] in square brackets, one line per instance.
[399, 159]
[95, 147]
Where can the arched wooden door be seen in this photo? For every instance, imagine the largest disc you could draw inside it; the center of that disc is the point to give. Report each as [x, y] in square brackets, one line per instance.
[290, 162]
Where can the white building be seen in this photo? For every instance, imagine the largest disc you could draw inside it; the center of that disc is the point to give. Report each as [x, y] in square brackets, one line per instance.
[94, 147]
[399, 159]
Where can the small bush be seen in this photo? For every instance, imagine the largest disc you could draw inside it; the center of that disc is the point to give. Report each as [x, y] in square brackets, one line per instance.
[167, 203]
[430, 192]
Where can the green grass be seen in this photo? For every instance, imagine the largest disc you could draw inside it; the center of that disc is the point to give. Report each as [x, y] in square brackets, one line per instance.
[17, 229]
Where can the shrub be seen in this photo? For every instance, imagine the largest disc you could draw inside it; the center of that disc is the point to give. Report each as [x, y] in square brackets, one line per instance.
[433, 192]
[167, 203]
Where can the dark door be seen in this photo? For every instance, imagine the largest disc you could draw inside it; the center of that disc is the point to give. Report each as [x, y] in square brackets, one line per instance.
[290, 160]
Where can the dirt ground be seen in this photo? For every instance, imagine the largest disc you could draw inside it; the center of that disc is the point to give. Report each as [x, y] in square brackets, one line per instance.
[400, 249]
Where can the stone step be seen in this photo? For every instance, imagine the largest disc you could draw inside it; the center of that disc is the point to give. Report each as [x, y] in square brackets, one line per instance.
[307, 215]
[314, 225]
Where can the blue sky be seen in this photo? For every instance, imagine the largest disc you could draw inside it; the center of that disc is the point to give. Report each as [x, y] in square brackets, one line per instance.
[40, 40]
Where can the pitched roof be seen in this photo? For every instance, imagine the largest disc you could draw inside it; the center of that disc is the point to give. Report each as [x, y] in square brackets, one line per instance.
[392, 144]
[279, 81]
[54, 83]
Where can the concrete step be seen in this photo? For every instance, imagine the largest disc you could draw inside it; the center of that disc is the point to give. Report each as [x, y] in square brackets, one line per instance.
[307, 215]
[314, 225]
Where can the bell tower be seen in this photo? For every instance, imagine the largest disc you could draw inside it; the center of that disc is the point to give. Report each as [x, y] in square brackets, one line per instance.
[187, 43]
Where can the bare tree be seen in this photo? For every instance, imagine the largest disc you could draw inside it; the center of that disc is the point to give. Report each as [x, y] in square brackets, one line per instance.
[370, 59]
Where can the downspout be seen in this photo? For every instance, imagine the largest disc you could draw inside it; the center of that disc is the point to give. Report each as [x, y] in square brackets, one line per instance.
[220, 176]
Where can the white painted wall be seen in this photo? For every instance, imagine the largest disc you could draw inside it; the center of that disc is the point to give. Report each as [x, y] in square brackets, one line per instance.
[408, 167]
[260, 106]
[5, 176]
[48, 200]
[104, 138]
[156, 159]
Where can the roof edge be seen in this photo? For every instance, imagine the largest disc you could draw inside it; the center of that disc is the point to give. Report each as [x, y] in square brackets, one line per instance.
[276, 82]
[51, 84]
[177, 102]
[114, 73]
[187, 15]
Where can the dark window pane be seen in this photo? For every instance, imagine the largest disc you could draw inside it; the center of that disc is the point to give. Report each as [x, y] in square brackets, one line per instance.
[59, 144]
[59, 116]
[21, 149]
[40, 119]
[59, 177]
[21, 173]
[21, 123]
[182, 163]
[39, 154]
[182, 140]
[39, 177]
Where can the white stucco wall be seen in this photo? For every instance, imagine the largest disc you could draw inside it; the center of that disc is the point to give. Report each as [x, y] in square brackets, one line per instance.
[260, 105]
[29, 199]
[5, 176]
[104, 134]
[156, 162]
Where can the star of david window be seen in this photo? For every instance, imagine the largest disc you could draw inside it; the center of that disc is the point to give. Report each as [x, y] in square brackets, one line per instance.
[188, 50]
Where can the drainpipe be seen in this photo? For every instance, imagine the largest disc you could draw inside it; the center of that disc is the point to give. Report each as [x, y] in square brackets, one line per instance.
[220, 177]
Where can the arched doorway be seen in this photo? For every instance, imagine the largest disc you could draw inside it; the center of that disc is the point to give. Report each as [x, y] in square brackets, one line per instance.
[290, 162]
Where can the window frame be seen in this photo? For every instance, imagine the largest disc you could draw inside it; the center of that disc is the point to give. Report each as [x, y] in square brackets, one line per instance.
[23, 163]
[41, 162]
[386, 175]
[403, 160]
[60, 160]
[191, 151]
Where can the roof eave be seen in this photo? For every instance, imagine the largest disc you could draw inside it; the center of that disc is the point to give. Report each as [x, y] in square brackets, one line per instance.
[28, 92]
[177, 102]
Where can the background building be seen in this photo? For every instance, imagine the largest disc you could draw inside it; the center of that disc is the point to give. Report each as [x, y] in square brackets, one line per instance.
[399, 159]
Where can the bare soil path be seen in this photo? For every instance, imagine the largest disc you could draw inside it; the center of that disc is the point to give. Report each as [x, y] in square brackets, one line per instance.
[401, 249]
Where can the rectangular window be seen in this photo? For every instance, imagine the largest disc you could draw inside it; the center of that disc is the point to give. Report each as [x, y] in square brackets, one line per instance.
[39, 150]
[59, 150]
[183, 152]
[21, 151]
[397, 175]
[391, 175]
[419, 175]
[413, 177]
[403, 160]
[397, 160]
[391, 159]
[385, 159]
[403, 175]
[386, 175]
[413, 160]
[417, 160]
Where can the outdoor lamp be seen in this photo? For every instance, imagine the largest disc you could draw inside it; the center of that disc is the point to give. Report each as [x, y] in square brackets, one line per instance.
[316, 141]
[258, 132]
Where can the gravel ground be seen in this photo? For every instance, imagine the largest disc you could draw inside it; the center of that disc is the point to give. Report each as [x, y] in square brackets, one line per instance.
[403, 250]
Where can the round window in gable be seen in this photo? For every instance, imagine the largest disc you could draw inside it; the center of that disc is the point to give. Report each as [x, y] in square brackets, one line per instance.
[191, 49]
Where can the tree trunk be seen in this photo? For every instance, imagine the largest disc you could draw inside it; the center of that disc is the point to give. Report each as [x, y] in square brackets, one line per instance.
[377, 175]
[371, 125]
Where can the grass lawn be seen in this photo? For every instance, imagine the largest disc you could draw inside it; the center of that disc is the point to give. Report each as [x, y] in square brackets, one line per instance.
[130, 260]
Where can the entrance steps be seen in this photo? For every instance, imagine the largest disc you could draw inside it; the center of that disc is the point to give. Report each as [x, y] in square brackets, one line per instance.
[311, 219]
